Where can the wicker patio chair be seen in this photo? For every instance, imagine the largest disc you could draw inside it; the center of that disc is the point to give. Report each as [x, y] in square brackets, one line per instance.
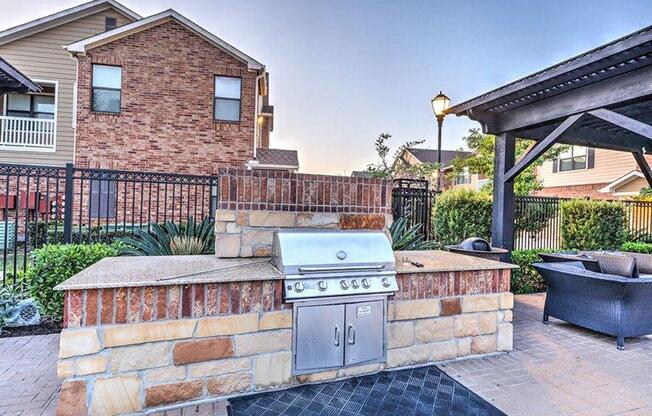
[609, 304]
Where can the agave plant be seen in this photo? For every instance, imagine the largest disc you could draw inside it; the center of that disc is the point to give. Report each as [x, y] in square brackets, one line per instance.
[171, 239]
[404, 238]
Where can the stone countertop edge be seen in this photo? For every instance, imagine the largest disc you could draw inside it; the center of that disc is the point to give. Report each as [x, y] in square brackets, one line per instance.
[114, 272]
[444, 261]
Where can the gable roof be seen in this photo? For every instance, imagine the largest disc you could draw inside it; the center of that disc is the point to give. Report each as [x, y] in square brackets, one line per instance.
[430, 155]
[62, 17]
[623, 180]
[151, 21]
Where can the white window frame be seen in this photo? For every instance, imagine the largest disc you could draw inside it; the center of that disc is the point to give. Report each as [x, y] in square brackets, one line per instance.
[573, 156]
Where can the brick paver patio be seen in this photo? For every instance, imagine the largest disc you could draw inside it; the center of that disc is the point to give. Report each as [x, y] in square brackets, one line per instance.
[560, 369]
[554, 370]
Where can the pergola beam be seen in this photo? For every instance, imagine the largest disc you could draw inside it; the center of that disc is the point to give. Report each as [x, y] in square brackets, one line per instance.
[645, 167]
[502, 216]
[623, 122]
[541, 147]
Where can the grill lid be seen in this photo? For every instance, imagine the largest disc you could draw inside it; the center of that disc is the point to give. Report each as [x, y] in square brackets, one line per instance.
[303, 251]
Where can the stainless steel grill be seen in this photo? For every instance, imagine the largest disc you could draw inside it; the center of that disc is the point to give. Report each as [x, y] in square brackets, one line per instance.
[338, 282]
[318, 264]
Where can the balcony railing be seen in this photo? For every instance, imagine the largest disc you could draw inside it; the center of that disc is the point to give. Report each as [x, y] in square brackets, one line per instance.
[22, 133]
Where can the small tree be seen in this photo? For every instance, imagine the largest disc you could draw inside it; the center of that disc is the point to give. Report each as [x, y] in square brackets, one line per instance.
[481, 161]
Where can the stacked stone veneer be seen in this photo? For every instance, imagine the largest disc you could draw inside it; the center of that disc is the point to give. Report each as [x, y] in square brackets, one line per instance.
[217, 340]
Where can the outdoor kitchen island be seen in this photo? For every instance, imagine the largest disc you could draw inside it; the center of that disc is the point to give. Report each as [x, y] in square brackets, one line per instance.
[145, 333]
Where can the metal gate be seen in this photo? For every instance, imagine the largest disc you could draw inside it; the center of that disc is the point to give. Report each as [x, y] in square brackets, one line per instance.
[413, 200]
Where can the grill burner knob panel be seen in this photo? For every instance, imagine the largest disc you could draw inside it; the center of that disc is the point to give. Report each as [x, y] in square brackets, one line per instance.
[365, 283]
[322, 285]
[298, 286]
[344, 284]
[355, 284]
[385, 282]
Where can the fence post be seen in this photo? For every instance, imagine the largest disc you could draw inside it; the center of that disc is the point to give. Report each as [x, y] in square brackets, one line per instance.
[67, 214]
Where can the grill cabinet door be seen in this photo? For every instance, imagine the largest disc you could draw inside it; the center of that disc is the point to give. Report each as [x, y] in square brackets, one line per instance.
[319, 337]
[365, 325]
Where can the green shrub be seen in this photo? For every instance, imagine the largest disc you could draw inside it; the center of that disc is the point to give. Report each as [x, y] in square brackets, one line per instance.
[404, 238]
[636, 247]
[526, 279]
[460, 214]
[54, 263]
[593, 225]
[189, 238]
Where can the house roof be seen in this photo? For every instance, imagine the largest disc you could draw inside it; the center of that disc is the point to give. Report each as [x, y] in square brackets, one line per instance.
[62, 17]
[277, 158]
[430, 155]
[106, 37]
[623, 180]
[361, 174]
[12, 79]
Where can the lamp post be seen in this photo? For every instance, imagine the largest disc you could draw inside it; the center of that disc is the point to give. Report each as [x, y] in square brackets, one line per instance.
[440, 104]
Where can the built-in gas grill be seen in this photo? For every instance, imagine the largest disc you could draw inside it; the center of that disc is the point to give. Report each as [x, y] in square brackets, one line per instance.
[318, 264]
[338, 282]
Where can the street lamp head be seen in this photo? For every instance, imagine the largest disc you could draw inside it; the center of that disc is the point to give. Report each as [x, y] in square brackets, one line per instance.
[440, 104]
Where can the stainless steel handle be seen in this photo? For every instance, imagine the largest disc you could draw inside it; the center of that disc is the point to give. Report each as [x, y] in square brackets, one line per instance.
[337, 336]
[350, 336]
[307, 269]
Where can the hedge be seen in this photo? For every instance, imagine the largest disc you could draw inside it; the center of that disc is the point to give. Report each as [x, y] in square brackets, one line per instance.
[635, 247]
[460, 214]
[54, 263]
[593, 225]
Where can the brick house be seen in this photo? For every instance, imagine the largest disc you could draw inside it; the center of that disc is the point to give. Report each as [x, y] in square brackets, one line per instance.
[157, 93]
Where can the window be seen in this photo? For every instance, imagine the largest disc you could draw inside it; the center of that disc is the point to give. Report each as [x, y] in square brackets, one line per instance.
[107, 81]
[227, 98]
[573, 159]
[103, 196]
[463, 178]
[110, 23]
[30, 105]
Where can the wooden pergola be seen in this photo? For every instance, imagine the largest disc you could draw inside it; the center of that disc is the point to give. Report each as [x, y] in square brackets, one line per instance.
[601, 98]
[12, 80]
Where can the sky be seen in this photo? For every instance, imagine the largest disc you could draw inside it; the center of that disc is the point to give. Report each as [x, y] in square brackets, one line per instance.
[344, 71]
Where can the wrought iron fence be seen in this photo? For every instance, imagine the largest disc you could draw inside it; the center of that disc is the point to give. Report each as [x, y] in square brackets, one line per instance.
[412, 199]
[44, 204]
[537, 223]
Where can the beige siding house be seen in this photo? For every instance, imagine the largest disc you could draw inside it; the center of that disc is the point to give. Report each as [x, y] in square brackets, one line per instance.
[40, 128]
[594, 173]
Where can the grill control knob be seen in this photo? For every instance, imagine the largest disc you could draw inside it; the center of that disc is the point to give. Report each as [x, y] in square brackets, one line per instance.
[355, 284]
[344, 284]
[322, 285]
[366, 284]
[385, 282]
[298, 286]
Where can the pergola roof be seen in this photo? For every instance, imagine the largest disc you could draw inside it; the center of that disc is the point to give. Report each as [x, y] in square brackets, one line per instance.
[616, 77]
[13, 80]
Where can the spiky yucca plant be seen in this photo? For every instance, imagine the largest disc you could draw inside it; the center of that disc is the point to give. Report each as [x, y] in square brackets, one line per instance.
[404, 238]
[171, 239]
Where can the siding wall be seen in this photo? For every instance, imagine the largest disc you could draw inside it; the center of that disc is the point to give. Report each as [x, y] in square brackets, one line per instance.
[609, 166]
[42, 57]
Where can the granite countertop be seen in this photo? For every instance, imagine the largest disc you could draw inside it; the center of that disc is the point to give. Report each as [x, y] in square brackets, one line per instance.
[170, 270]
[444, 261]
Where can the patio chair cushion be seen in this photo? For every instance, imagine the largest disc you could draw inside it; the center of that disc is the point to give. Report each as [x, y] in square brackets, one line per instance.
[617, 264]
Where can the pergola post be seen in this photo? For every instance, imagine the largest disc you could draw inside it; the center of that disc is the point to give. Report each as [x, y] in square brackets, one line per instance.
[502, 222]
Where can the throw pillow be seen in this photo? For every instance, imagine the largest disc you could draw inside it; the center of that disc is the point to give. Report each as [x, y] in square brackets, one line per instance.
[617, 264]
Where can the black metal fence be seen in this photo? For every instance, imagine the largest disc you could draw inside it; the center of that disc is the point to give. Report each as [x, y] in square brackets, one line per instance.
[412, 199]
[44, 204]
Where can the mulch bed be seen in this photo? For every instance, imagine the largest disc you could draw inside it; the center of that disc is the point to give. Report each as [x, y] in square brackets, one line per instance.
[47, 326]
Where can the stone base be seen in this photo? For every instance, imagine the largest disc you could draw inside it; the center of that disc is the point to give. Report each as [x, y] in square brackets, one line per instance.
[130, 368]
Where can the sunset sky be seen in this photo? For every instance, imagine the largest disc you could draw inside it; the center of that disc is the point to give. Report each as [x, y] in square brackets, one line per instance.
[342, 72]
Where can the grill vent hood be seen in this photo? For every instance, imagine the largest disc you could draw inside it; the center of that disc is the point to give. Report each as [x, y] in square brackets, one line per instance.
[301, 251]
